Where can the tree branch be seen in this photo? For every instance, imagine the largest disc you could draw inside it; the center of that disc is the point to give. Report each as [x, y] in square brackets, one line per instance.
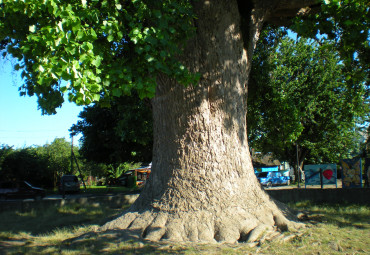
[283, 11]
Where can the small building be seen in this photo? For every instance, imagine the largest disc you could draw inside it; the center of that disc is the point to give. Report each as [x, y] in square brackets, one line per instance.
[265, 163]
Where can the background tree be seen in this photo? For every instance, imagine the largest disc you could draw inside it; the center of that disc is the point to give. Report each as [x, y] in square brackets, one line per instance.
[39, 165]
[5, 150]
[346, 24]
[306, 101]
[97, 170]
[202, 185]
[58, 154]
[27, 165]
[120, 133]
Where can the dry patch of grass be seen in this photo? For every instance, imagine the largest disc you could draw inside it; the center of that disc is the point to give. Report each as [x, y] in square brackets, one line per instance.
[331, 229]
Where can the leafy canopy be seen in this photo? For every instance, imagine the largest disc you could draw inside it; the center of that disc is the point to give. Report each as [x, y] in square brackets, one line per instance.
[346, 23]
[117, 134]
[39, 165]
[98, 46]
[299, 93]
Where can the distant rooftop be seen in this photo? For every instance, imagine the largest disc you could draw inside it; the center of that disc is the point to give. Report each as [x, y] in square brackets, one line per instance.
[260, 160]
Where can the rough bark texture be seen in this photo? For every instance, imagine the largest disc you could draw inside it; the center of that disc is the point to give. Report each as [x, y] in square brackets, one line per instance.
[202, 186]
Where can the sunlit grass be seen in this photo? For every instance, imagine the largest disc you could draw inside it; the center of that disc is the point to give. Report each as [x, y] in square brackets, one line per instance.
[93, 189]
[107, 189]
[59, 235]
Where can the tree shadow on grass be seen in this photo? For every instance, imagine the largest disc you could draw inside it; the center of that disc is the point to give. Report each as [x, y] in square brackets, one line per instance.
[343, 215]
[113, 241]
[36, 222]
[349, 220]
[109, 242]
[36, 231]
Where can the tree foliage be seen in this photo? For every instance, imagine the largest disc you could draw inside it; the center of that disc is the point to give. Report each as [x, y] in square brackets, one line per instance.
[5, 150]
[59, 155]
[114, 47]
[346, 23]
[299, 94]
[26, 164]
[120, 133]
[40, 165]
[109, 47]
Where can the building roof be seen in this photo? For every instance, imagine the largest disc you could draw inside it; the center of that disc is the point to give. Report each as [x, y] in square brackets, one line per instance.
[260, 160]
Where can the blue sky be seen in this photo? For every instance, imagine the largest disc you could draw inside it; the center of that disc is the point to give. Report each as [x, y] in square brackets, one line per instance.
[21, 123]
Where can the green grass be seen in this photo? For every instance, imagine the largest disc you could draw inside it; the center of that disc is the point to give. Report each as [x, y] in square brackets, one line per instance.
[107, 189]
[100, 190]
[36, 222]
[331, 229]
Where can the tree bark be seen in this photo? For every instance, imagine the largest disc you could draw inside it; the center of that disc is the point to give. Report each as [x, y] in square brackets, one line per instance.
[202, 186]
[298, 169]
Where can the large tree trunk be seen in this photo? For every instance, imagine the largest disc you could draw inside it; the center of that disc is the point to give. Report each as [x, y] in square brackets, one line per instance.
[203, 186]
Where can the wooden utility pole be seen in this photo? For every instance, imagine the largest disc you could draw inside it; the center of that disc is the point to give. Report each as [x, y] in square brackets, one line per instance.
[73, 157]
[298, 170]
[72, 154]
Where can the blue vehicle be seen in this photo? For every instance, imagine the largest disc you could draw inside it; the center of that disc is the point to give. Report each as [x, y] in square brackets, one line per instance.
[270, 179]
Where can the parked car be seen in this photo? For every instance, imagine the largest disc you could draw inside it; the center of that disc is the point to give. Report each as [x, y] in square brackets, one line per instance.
[20, 189]
[270, 179]
[69, 183]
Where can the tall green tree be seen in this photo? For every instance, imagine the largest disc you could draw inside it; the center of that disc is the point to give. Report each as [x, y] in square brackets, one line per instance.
[5, 150]
[120, 133]
[202, 185]
[346, 24]
[59, 155]
[40, 165]
[27, 165]
[306, 101]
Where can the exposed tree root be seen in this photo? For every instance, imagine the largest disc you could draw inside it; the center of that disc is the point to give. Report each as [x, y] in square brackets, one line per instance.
[230, 226]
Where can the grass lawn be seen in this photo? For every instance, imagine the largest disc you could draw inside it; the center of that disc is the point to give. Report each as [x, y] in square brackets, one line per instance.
[331, 229]
[101, 190]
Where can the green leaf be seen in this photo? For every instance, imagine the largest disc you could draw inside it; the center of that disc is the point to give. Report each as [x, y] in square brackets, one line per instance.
[93, 34]
[149, 58]
[32, 28]
[80, 35]
[63, 89]
[90, 46]
[96, 97]
[119, 35]
[117, 92]
[110, 38]
[83, 58]
[163, 54]
[87, 46]
[84, 3]
[97, 61]
[348, 22]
